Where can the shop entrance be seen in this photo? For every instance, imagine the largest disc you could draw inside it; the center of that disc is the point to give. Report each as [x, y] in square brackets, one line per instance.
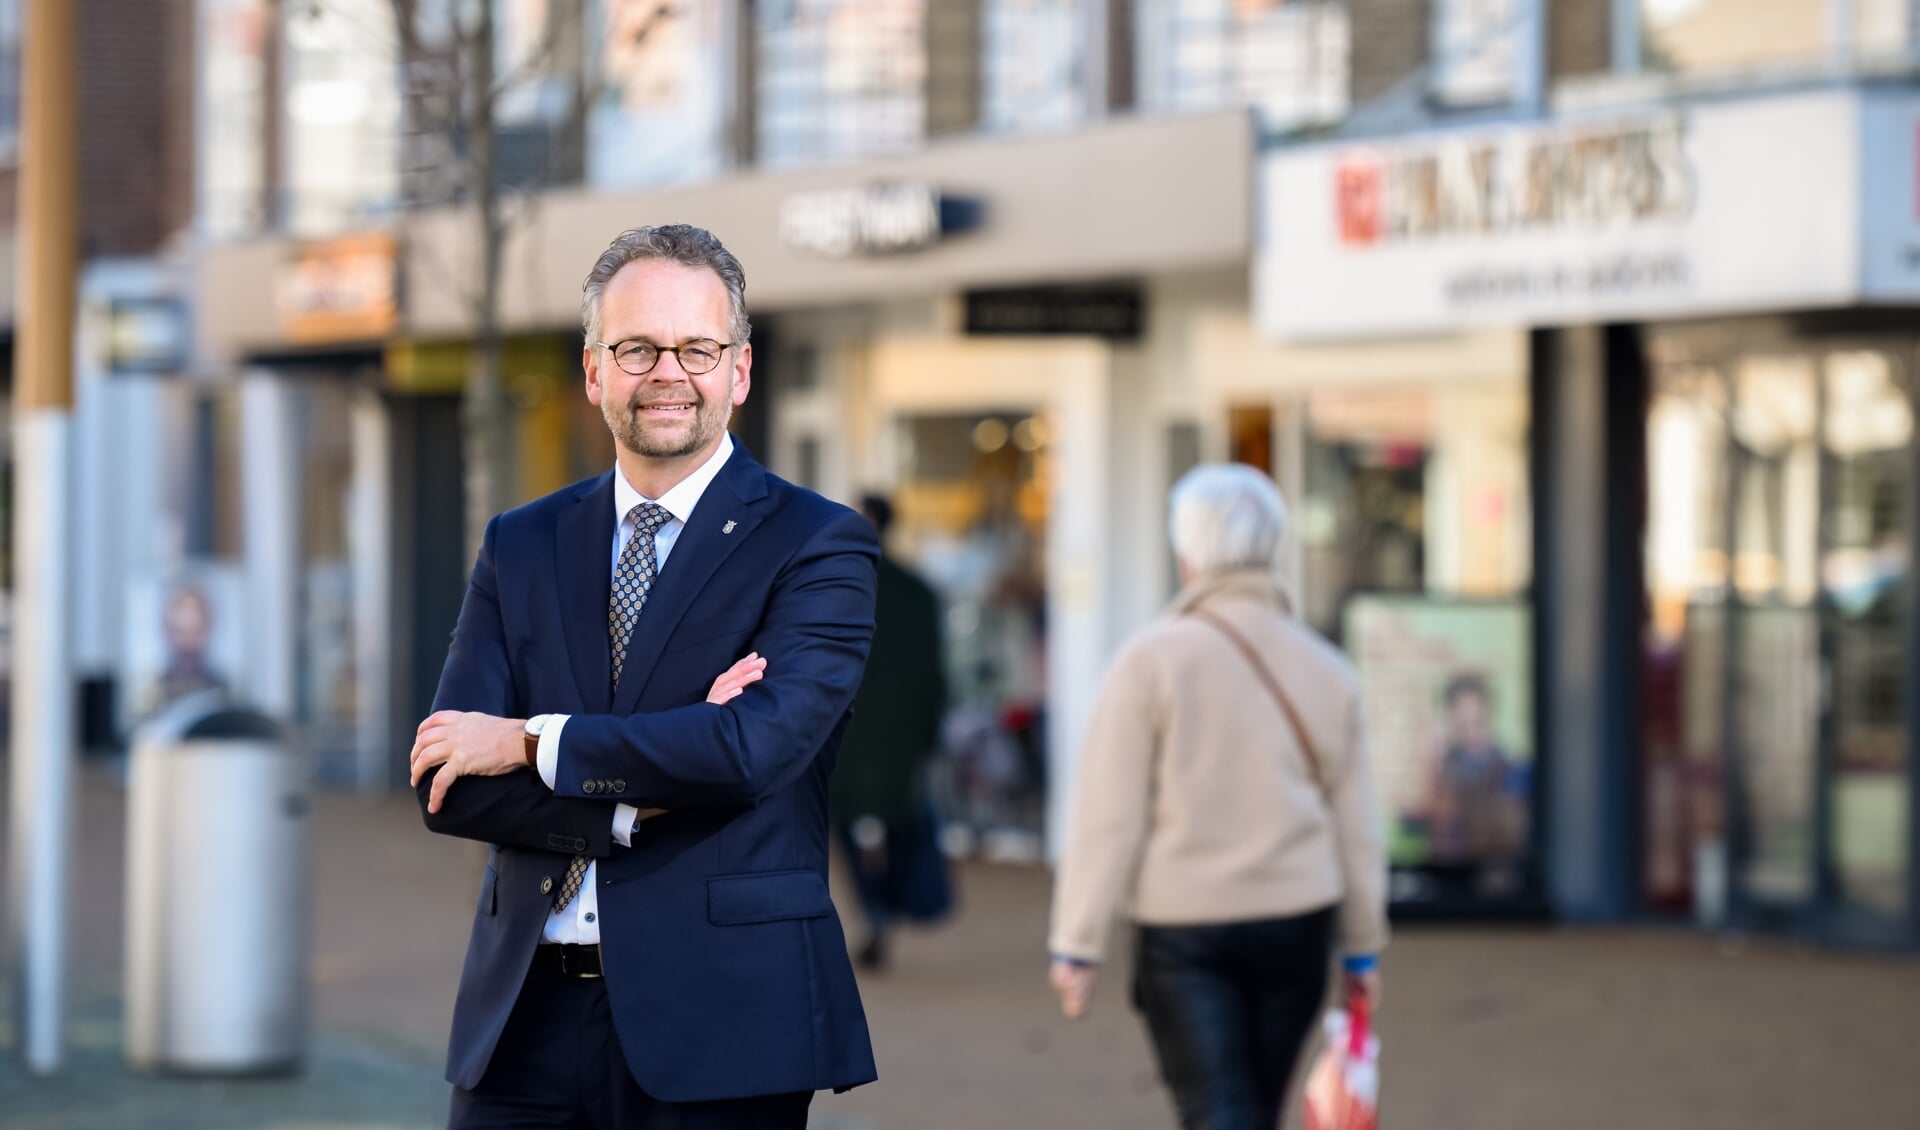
[996, 452]
[1413, 515]
[973, 511]
[1776, 737]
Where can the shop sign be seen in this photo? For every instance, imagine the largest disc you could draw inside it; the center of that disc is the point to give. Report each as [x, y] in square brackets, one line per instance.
[888, 218]
[344, 289]
[145, 335]
[1721, 207]
[1096, 311]
[1490, 185]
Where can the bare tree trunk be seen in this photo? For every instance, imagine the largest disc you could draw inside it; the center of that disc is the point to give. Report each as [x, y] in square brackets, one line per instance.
[485, 410]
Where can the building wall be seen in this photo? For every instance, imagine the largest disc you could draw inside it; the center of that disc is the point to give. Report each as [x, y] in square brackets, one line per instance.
[1152, 216]
[954, 36]
[1579, 38]
[136, 70]
[1390, 39]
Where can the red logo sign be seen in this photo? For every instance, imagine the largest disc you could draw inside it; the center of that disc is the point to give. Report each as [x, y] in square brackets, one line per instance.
[1358, 199]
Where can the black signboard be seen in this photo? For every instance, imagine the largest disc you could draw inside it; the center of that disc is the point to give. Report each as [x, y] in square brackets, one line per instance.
[1115, 312]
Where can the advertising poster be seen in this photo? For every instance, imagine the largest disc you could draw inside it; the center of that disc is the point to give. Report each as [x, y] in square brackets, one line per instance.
[184, 635]
[1448, 688]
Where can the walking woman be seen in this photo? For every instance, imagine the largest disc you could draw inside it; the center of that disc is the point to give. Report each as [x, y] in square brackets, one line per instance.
[1224, 800]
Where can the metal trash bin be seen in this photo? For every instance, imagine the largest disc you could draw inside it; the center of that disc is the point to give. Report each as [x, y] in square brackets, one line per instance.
[217, 894]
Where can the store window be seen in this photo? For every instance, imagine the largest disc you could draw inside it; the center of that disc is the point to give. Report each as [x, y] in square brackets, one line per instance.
[327, 703]
[839, 79]
[1475, 49]
[9, 78]
[341, 135]
[1865, 564]
[1776, 731]
[1034, 65]
[972, 515]
[1684, 666]
[1415, 534]
[1415, 489]
[1775, 625]
[1289, 59]
[230, 123]
[659, 111]
[1732, 35]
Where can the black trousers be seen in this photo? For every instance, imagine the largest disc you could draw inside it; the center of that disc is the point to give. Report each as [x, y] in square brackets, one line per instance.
[1229, 1007]
[559, 1064]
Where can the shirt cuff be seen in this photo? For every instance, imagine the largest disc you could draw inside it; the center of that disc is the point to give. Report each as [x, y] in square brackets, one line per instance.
[625, 816]
[547, 756]
[1362, 962]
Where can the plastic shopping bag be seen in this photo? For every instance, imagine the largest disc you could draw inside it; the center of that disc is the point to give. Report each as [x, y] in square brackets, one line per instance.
[1343, 1090]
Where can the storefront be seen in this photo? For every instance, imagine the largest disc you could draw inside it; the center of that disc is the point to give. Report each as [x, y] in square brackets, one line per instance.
[1711, 432]
[963, 327]
[1779, 542]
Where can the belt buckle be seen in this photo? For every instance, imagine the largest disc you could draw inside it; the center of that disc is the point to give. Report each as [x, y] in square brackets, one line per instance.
[567, 959]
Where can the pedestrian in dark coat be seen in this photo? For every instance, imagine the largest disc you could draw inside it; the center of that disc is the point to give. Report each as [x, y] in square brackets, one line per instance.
[879, 808]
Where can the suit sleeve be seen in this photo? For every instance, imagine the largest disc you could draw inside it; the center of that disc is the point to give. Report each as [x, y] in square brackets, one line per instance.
[514, 809]
[815, 635]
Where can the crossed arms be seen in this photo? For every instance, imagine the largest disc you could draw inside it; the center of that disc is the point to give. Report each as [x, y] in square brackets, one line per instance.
[775, 711]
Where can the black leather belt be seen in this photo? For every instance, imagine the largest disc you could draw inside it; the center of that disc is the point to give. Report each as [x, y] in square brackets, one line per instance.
[568, 960]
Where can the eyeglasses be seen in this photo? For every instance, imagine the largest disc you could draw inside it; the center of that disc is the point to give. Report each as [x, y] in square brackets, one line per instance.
[638, 358]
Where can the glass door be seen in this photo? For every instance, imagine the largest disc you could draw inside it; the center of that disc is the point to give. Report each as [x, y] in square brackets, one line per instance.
[1683, 672]
[1775, 670]
[1867, 434]
[972, 507]
[1776, 731]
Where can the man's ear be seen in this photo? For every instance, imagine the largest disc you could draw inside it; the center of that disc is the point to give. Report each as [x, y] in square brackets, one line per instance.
[743, 375]
[590, 365]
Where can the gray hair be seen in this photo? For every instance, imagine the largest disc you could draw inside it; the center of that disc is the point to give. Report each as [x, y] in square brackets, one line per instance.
[1226, 516]
[674, 243]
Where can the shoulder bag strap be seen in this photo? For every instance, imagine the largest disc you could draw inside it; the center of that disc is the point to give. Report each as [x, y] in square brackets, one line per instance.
[1267, 680]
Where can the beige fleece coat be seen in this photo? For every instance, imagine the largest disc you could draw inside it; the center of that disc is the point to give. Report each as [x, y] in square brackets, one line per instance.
[1194, 802]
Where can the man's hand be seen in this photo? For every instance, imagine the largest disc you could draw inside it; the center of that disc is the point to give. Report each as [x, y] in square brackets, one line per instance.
[465, 745]
[1073, 980]
[737, 678]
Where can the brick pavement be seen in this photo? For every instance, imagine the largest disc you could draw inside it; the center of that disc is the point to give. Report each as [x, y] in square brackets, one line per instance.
[1484, 1029]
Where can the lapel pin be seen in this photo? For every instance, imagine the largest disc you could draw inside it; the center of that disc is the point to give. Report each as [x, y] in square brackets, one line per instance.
[728, 528]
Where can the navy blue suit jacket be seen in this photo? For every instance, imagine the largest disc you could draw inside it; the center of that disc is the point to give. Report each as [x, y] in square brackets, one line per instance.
[726, 967]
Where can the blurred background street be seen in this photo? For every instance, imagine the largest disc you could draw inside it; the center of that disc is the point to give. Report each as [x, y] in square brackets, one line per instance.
[1486, 1028]
[1581, 337]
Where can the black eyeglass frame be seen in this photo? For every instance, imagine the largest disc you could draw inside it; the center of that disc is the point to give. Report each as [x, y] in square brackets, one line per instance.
[613, 349]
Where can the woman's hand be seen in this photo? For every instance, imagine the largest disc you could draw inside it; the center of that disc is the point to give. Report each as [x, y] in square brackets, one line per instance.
[1073, 980]
[736, 679]
[1365, 984]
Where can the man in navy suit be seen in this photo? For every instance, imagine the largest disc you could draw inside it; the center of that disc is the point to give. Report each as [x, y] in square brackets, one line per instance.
[654, 945]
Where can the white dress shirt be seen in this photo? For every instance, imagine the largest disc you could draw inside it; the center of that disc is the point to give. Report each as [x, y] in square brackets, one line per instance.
[579, 921]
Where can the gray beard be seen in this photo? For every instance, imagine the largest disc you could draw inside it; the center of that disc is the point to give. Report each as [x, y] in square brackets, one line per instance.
[708, 423]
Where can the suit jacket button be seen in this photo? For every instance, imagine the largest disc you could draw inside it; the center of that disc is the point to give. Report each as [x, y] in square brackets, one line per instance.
[546, 885]
[590, 788]
[619, 786]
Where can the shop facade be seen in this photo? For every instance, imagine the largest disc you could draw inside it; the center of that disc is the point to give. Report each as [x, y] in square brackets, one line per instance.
[1010, 358]
[1698, 486]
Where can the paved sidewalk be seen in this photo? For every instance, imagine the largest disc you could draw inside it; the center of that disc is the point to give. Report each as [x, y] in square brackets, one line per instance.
[347, 1083]
[1484, 1029]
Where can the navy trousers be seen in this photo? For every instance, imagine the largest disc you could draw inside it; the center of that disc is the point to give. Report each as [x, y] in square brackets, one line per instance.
[1229, 1006]
[558, 1064]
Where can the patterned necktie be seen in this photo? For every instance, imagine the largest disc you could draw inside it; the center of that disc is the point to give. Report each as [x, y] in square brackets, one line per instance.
[632, 579]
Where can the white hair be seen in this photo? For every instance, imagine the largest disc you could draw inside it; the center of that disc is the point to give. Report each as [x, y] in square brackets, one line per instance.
[1226, 516]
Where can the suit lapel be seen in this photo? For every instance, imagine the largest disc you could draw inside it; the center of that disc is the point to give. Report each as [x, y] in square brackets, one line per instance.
[583, 555]
[721, 521]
